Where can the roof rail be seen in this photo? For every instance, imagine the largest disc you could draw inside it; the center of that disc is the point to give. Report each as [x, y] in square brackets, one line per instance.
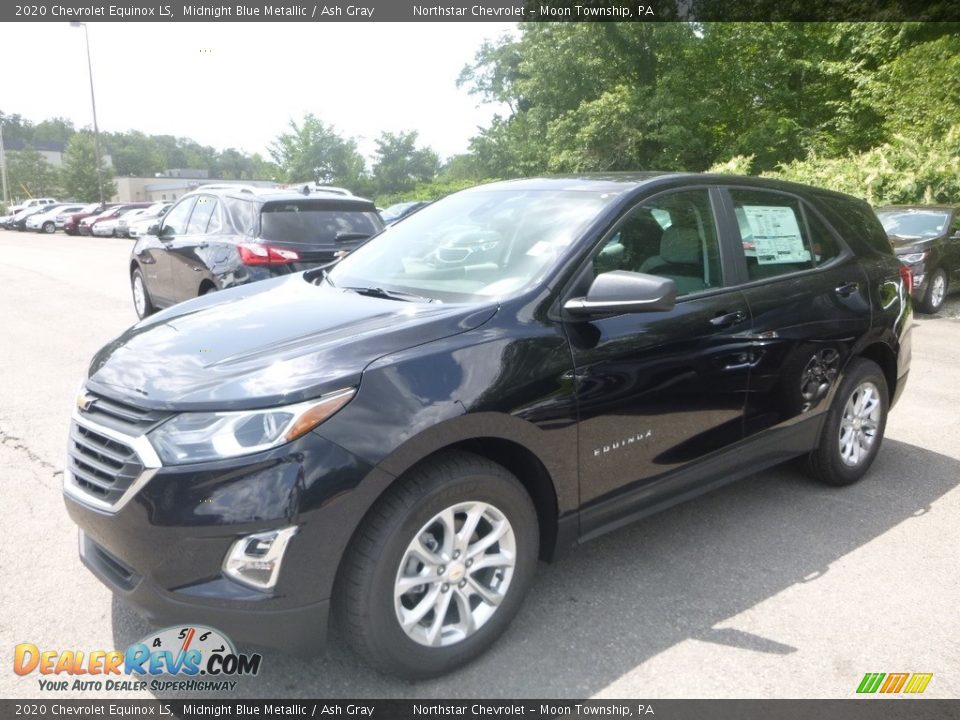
[311, 187]
[239, 187]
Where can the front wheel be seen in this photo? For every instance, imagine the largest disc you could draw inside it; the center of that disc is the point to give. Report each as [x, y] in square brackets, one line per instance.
[49, 227]
[854, 427]
[936, 292]
[439, 567]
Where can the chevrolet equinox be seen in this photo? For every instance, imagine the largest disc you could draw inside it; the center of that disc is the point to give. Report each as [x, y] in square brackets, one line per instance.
[394, 440]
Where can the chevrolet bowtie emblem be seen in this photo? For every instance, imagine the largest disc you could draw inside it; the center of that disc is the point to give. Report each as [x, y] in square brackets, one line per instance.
[85, 401]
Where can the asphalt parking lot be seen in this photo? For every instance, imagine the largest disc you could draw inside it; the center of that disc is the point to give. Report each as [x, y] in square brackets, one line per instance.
[773, 587]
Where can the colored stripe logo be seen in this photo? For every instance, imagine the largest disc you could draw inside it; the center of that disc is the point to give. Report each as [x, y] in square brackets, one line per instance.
[894, 683]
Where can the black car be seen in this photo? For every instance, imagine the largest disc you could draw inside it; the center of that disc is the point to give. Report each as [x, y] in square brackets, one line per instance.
[516, 368]
[221, 236]
[926, 238]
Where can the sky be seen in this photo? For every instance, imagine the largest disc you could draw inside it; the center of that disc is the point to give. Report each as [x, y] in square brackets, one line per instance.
[239, 84]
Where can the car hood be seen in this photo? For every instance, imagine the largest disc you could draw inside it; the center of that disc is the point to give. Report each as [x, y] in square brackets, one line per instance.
[905, 245]
[273, 342]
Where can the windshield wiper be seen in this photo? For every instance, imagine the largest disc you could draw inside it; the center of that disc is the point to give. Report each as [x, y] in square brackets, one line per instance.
[346, 236]
[379, 292]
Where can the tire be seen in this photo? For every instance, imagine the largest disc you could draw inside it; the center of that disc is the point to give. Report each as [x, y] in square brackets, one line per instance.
[457, 486]
[937, 287]
[143, 305]
[851, 437]
[49, 227]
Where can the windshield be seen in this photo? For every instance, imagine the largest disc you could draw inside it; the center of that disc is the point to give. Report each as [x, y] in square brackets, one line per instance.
[304, 222]
[473, 245]
[913, 224]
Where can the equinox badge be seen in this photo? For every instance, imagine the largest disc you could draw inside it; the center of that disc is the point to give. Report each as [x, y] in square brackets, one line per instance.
[618, 444]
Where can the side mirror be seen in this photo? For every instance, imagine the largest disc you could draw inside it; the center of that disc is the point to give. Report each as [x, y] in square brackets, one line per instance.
[621, 291]
[154, 229]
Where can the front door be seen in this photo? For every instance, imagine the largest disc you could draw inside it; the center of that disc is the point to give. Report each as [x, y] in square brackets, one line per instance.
[660, 390]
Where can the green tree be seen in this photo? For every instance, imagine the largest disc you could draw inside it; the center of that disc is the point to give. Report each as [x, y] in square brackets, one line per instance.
[29, 174]
[134, 153]
[918, 92]
[313, 151]
[78, 177]
[399, 165]
[58, 130]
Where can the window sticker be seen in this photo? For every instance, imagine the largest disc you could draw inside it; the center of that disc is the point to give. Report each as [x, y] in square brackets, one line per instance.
[776, 235]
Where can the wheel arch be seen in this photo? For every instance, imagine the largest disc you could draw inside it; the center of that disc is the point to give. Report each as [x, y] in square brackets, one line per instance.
[882, 355]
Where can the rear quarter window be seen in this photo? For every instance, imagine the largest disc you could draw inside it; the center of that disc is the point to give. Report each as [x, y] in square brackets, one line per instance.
[856, 221]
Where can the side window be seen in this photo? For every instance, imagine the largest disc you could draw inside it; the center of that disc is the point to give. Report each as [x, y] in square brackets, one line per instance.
[822, 241]
[673, 236]
[205, 209]
[772, 231]
[175, 221]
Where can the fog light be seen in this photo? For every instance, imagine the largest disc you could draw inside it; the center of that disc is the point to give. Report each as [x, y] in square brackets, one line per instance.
[918, 280]
[255, 560]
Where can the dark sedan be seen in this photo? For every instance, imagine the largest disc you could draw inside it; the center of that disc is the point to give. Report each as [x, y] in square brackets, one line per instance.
[926, 238]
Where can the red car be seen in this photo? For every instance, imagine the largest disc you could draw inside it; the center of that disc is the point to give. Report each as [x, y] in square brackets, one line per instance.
[85, 226]
[72, 224]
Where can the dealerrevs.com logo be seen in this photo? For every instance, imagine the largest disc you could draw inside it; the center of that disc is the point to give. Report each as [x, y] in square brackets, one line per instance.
[203, 657]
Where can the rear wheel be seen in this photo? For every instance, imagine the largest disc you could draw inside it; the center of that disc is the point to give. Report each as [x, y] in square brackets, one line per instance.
[439, 567]
[936, 292]
[141, 298]
[854, 427]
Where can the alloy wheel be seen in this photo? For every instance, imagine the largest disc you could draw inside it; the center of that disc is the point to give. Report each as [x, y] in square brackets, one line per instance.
[454, 574]
[139, 295]
[937, 290]
[859, 425]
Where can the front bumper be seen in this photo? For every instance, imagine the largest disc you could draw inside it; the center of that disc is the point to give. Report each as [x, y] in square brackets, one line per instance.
[163, 547]
[300, 629]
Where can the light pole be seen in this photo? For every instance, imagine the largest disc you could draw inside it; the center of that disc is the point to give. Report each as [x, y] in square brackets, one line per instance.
[3, 165]
[93, 102]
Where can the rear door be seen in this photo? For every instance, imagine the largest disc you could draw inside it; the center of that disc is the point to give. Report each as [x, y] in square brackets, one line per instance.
[658, 391]
[809, 300]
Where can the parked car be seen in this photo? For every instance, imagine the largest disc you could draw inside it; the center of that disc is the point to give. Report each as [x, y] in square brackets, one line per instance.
[46, 220]
[19, 220]
[87, 225]
[220, 237]
[33, 203]
[137, 226]
[926, 238]
[515, 368]
[110, 227]
[71, 225]
[398, 211]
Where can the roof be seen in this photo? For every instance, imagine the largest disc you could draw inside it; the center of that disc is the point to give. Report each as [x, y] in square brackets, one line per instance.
[944, 208]
[267, 194]
[621, 182]
[41, 145]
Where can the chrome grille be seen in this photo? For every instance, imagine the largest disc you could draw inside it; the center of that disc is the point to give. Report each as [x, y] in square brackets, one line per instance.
[128, 419]
[105, 468]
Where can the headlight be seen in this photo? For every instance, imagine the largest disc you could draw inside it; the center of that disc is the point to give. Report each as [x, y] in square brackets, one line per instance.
[912, 257]
[196, 437]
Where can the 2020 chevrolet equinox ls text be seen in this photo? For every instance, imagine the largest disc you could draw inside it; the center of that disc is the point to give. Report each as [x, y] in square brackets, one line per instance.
[395, 440]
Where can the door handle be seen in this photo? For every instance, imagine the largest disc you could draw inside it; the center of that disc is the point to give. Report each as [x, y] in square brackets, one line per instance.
[727, 319]
[847, 289]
